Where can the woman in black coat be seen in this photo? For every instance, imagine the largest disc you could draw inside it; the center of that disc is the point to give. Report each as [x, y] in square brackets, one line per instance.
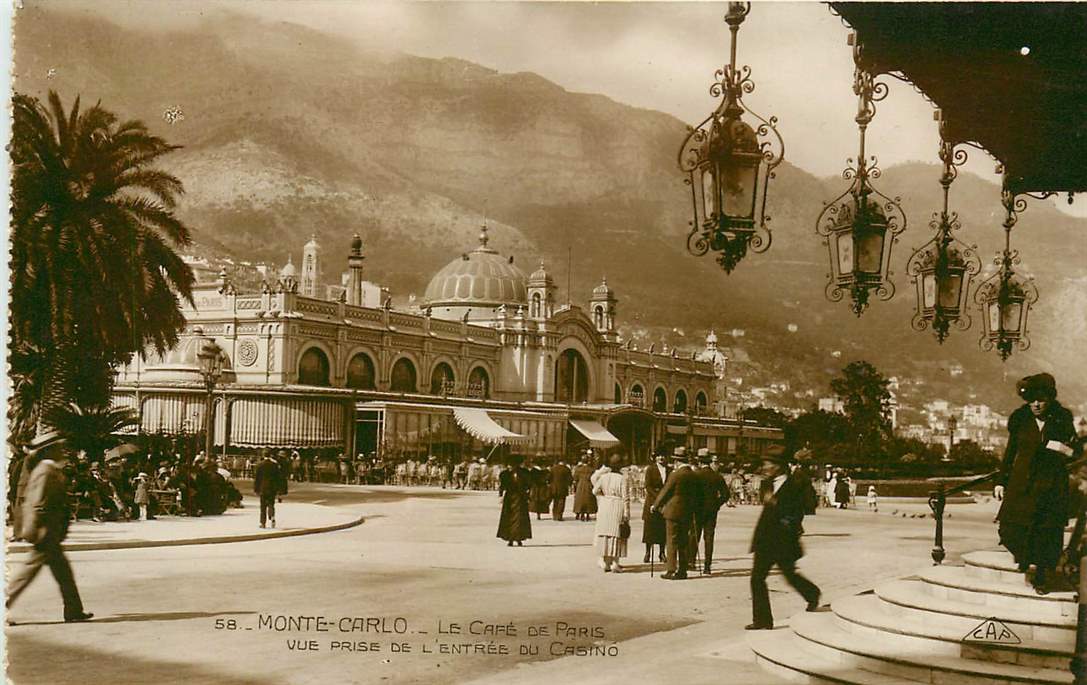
[515, 487]
[1034, 477]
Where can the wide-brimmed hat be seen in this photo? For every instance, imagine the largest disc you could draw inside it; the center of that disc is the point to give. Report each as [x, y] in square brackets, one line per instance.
[1038, 386]
[775, 454]
[44, 440]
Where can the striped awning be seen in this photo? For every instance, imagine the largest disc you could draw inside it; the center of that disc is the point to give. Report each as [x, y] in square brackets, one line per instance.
[173, 414]
[598, 435]
[479, 424]
[263, 422]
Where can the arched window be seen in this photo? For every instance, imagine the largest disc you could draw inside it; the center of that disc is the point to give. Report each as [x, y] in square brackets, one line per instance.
[403, 376]
[618, 394]
[479, 383]
[700, 403]
[313, 368]
[536, 305]
[360, 373]
[598, 316]
[571, 377]
[660, 400]
[442, 380]
[637, 395]
[680, 404]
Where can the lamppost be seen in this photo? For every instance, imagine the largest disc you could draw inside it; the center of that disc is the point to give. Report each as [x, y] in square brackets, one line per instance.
[729, 165]
[210, 357]
[952, 426]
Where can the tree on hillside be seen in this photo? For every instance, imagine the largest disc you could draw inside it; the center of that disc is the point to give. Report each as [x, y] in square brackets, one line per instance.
[95, 277]
[866, 399]
[819, 431]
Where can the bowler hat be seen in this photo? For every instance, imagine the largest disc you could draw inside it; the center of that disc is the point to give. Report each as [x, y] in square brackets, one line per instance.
[43, 440]
[1038, 386]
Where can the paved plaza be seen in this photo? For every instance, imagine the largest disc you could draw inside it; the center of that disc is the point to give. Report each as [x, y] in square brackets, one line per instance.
[422, 592]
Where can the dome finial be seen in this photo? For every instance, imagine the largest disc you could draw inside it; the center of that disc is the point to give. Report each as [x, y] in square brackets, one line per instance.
[483, 239]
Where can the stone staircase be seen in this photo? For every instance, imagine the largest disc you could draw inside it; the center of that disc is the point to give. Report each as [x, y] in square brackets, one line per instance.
[913, 630]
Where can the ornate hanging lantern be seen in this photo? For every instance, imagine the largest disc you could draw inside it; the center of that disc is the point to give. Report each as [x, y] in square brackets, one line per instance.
[860, 226]
[729, 165]
[1005, 297]
[943, 267]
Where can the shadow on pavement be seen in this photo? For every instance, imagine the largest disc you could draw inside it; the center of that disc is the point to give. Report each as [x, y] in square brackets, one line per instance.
[37, 661]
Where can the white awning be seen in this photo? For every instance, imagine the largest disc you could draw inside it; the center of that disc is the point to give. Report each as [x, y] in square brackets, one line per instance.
[286, 422]
[479, 424]
[598, 435]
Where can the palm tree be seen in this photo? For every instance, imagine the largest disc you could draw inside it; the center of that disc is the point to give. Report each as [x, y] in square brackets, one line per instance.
[95, 277]
[92, 430]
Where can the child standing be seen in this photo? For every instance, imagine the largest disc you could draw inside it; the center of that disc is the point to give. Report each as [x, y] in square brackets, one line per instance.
[872, 502]
[142, 496]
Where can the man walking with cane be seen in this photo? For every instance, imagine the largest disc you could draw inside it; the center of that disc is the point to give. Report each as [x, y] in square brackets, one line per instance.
[44, 522]
[677, 502]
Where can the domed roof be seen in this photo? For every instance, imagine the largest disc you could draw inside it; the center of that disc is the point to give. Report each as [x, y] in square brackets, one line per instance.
[289, 269]
[711, 339]
[602, 290]
[312, 244]
[540, 275]
[480, 278]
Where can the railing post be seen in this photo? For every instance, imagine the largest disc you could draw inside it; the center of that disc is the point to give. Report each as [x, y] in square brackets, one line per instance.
[1079, 658]
[936, 501]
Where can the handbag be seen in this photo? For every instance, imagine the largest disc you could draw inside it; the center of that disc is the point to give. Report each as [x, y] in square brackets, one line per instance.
[624, 530]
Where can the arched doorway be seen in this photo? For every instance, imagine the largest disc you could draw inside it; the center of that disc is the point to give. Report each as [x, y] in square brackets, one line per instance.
[637, 395]
[442, 380]
[360, 373]
[571, 377]
[634, 428]
[403, 376]
[479, 383]
[680, 404]
[660, 400]
[313, 368]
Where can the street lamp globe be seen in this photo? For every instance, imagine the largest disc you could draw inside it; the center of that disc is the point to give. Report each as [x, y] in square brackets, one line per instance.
[210, 357]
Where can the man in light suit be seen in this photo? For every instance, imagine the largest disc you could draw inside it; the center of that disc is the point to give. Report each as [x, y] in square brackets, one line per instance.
[678, 500]
[45, 525]
[777, 538]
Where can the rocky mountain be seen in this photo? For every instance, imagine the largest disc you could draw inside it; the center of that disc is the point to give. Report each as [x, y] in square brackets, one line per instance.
[288, 131]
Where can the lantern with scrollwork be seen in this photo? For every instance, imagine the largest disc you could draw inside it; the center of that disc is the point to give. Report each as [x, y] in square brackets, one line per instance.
[1005, 297]
[943, 267]
[729, 165]
[860, 226]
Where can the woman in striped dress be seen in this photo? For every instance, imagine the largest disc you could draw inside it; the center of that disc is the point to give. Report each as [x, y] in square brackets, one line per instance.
[612, 489]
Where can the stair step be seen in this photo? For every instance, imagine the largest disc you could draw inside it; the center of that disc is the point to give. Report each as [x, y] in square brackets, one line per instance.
[992, 558]
[784, 654]
[867, 615]
[952, 582]
[917, 662]
[909, 597]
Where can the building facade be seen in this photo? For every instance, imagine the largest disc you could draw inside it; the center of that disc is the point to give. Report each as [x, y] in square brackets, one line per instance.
[488, 357]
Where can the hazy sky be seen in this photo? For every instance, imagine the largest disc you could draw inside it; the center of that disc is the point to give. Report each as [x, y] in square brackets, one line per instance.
[659, 55]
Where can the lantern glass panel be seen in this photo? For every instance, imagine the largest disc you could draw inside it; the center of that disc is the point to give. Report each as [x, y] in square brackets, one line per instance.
[928, 284]
[950, 289]
[993, 316]
[740, 174]
[845, 253]
[1011, 316]
[870, 251]
[709, 193]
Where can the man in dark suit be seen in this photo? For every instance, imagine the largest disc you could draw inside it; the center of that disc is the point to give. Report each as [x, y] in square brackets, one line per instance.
[654, 529]
[714, 495]
[777, 538]
[678, 500]
[44, 524]
[561, 478]
[268, 482]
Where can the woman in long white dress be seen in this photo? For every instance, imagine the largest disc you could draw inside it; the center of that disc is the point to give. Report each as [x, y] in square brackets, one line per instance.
[612, 489]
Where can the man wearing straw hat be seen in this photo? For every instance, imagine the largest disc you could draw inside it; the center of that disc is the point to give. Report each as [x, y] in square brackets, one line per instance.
[45, 525]
[677, 502]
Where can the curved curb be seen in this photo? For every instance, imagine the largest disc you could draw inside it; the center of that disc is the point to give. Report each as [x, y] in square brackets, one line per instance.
[23, 548]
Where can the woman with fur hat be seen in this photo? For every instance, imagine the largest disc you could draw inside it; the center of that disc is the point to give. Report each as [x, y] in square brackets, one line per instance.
[1034, 479]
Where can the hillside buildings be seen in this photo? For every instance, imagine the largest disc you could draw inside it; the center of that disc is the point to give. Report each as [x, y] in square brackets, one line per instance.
[487, 357]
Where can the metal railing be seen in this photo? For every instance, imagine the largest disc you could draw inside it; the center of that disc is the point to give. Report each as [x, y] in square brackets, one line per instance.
[937, 500]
